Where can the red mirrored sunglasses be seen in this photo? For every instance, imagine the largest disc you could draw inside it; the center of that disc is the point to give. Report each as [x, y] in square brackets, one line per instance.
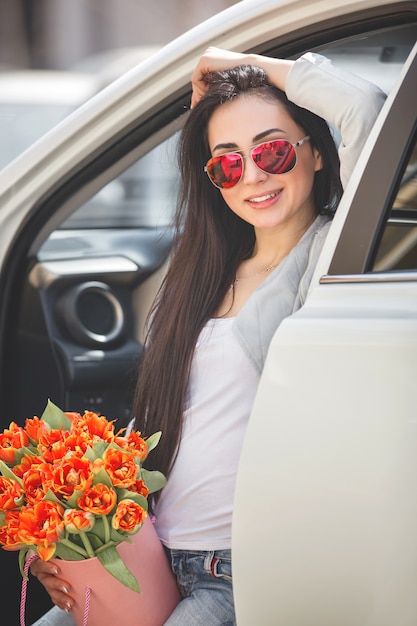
[274, 157]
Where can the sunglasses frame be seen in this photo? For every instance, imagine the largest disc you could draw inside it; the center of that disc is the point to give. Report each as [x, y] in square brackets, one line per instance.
[297, 144]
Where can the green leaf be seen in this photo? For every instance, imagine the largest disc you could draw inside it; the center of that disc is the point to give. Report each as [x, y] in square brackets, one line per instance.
[125, 494]
[22, 560]
[73, 499]
[153, 480]
[153, 440]
[111, 560]
[99, 449]
[55, 417]
[90, 454]
[7, 473]
[102, 477]
[24, 451]
[51, 497]
[115, 446]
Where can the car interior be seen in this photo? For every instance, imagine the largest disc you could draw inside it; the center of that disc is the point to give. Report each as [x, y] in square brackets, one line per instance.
[88, 264]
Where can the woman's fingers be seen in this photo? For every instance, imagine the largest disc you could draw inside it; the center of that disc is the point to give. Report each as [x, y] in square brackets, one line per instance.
[215, 59]
[212, 60]
[39, 567]
[59, 590]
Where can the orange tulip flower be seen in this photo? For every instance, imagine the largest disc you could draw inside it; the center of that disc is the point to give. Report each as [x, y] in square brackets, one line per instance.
[71, 474]
[11, 440]
[10, 494]
[99, 499]
[42, 525]
[78, 521]
[128, 516]
[35, 428]
[121, 467]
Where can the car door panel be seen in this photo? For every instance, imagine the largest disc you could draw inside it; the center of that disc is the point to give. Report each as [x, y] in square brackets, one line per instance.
[331, 455]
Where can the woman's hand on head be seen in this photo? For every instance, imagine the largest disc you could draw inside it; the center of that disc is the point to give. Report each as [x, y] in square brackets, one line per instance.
[48, 574]
[215, 59]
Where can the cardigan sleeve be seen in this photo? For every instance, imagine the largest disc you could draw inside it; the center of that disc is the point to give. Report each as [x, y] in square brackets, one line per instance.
[348, 102]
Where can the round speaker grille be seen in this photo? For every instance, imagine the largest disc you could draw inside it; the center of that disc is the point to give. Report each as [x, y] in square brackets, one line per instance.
[92, 314]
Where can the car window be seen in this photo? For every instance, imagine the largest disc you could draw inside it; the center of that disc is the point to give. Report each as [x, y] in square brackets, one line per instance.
[144, 195]
[376, 56]
[398, 247]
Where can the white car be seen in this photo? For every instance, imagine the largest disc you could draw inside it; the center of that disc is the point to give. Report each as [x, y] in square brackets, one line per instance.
[325, 514]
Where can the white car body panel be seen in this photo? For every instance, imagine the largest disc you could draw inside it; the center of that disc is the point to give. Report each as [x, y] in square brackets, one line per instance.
[326, 497]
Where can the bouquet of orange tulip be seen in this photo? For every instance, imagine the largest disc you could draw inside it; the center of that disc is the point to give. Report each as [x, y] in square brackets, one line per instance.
[73, 488]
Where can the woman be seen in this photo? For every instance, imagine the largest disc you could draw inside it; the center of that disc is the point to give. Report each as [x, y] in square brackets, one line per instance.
[260, 182]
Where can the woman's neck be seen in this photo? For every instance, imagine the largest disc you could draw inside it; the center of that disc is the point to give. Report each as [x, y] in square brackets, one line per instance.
[273, 245]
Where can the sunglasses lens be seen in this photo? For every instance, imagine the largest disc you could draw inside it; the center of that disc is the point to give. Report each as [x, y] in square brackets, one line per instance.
[275, 157]
[225, 170]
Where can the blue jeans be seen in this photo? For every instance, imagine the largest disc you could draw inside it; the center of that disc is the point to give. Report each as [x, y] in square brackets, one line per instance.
[55, 617]
[205, 583]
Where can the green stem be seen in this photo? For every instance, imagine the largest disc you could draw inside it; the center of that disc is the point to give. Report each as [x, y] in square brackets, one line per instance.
[106, 528]
[73, 546]
[87, 545]
[104, 547]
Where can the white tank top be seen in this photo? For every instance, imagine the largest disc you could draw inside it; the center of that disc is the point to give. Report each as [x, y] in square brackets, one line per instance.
[195, 508]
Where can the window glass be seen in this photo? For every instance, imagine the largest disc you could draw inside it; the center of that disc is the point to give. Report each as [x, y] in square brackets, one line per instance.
[398, 248]
[377, 56]
[143, 196]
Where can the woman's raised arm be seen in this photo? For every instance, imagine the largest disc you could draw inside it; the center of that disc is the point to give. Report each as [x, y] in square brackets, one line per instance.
[345, 100]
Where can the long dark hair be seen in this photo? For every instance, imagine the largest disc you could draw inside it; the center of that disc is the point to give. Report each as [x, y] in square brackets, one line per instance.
[211, 243]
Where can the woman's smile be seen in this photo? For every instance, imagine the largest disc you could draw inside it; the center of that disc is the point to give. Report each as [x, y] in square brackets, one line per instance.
[264, 201]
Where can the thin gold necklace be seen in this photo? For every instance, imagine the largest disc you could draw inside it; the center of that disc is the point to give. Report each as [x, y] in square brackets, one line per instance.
[237, 279]
[267, 269]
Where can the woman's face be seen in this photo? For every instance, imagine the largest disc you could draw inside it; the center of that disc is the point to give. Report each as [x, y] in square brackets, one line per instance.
[267, 201]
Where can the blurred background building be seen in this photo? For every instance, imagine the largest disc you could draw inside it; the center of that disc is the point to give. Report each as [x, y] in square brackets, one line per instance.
[55, 54]
[57, 34]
